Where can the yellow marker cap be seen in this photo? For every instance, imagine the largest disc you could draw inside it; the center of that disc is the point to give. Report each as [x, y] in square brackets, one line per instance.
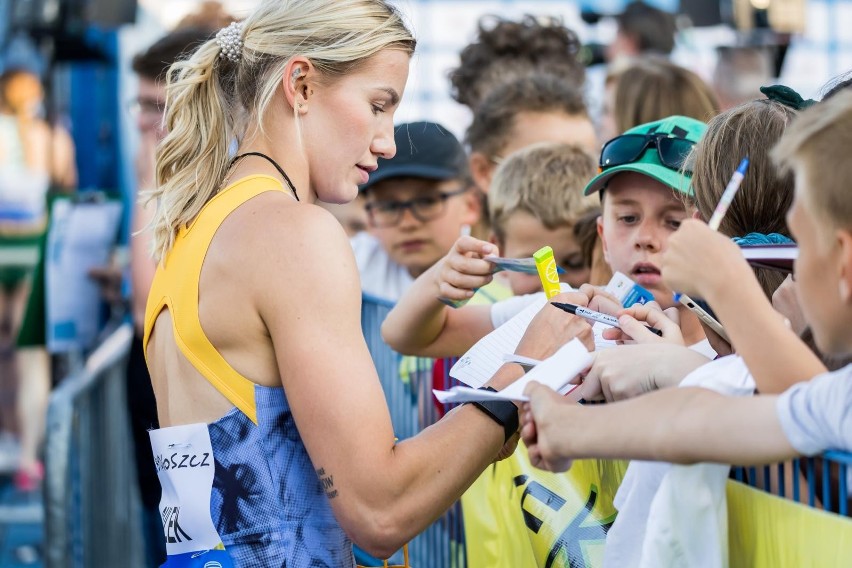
[546, 265]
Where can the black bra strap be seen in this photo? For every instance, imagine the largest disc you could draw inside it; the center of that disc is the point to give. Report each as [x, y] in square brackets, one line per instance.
[271, 161]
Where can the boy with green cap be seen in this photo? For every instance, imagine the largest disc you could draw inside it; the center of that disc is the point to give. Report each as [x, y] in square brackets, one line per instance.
[645, 192]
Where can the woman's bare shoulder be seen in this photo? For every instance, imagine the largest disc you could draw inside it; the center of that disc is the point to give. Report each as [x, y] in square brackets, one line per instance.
[275, 235]
[275, 214]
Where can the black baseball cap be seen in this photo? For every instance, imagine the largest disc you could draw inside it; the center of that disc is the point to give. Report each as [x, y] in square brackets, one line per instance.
[423, 150]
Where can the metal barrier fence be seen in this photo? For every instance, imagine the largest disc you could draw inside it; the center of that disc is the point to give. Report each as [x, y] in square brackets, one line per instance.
[92, 516]
[407, 384]
[827, 480]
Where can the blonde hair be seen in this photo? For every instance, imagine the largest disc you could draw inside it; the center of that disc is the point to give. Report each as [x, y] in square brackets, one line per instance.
[210, 101]
[653, 88]
[545, 180]
[819, 139]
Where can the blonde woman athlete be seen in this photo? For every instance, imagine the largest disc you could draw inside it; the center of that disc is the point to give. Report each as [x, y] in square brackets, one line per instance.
[277, 446]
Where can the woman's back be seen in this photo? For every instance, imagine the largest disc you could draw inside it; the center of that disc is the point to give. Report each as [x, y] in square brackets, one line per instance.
[225, 311]
[266, 504]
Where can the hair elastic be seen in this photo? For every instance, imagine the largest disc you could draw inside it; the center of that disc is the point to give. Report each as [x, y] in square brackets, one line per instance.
[230, 42]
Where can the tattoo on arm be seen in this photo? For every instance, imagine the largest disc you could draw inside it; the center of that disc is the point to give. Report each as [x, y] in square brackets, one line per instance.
[327, 482]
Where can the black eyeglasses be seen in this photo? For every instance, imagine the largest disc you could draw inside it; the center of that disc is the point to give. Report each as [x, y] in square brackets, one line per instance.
[425, 208]
[628, 148]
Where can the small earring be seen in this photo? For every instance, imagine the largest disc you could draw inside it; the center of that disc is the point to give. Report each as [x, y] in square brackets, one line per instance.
[296, 73]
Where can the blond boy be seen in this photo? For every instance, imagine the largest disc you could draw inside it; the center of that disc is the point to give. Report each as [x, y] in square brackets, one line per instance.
[536, 198]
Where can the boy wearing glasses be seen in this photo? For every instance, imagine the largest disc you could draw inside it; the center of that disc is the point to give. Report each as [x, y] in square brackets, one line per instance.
[645, 195]
[418, 203]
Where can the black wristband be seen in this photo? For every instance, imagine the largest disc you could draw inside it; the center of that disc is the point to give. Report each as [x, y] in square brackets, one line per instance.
[503, 412]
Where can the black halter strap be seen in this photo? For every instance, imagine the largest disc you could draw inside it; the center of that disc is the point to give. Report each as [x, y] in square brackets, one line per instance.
[271, 161]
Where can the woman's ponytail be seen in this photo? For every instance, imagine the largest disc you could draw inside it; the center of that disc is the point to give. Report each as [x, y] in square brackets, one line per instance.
[193, 158]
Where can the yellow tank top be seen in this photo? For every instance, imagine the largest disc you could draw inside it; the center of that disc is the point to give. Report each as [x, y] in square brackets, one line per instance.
[175, 287]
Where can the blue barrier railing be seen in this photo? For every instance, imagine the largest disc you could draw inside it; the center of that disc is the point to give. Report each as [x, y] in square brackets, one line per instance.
[407, 383]
[826, 480]
[843, 460]
[91, 504]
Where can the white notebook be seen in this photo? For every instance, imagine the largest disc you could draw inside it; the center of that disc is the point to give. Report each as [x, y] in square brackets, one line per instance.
[478, 365]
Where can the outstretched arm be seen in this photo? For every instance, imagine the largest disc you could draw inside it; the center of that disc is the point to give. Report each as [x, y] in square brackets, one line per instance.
[684, 425]
[420, 324]
[628, 371]
[382, 493]
[775, 355]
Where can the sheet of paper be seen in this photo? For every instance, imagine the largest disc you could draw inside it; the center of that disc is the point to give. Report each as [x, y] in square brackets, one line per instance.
[467, 394]
[554, 372]
[478, 365]
[770, 252]
[778, 257]
[183, 458]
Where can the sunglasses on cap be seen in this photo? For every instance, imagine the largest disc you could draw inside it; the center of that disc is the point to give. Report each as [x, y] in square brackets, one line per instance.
[628, 148]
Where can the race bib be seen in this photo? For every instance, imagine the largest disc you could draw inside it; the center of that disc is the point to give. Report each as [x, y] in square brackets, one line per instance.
[183, 456]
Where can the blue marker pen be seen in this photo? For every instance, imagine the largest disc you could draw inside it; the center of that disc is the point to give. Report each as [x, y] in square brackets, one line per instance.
[725, 201]
[728, 196]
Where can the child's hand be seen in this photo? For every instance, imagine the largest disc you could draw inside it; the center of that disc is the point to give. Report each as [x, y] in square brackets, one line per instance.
[633, 322]
[600, 300]
[691, 250]
[552, 328]
[462, 271]
[631, 370]
[544, 428]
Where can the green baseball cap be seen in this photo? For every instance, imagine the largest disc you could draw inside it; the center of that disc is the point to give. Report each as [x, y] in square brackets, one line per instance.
[649, 163]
